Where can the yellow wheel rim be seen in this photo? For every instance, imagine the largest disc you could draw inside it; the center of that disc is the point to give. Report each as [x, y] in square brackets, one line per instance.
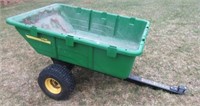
[53, 86]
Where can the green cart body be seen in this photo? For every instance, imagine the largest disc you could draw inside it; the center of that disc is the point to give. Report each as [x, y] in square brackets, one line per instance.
[100, 41]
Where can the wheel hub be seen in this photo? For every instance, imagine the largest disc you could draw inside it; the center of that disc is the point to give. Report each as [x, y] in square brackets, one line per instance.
[53, 86]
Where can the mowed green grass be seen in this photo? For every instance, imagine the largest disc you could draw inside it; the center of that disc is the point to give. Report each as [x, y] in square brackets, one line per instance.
[171, 55]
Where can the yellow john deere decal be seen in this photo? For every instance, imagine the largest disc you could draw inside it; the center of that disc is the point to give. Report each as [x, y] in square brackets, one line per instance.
[44, 40]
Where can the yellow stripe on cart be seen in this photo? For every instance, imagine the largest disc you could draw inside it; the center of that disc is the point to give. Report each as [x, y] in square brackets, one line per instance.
[44, 40]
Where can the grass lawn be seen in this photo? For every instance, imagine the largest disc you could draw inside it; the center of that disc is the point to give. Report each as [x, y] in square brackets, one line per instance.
[171, 55]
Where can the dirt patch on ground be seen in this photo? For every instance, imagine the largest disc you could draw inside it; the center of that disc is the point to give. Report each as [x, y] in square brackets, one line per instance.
[9, 2]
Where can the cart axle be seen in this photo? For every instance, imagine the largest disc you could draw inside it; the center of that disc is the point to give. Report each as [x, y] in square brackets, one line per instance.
[142, 81]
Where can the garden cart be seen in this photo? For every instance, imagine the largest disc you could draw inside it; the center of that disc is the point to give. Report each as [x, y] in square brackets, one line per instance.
[100, 41]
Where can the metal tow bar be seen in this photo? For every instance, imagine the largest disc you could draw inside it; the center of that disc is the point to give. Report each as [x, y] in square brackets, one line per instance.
[142, 81]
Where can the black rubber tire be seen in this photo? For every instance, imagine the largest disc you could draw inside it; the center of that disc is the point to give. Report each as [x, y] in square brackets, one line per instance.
[68, 65]
[60, 74]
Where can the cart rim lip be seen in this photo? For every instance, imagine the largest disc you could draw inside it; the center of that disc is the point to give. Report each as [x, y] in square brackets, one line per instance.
[137, 52]
[53, 86]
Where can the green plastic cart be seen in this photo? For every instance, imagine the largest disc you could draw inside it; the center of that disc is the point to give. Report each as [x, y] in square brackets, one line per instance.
[69, 35]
